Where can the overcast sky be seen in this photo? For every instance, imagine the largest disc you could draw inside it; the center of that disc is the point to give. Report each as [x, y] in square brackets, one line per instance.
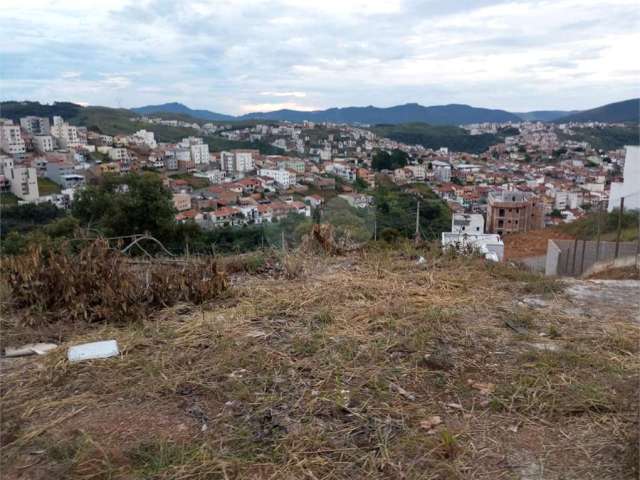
[237, 56]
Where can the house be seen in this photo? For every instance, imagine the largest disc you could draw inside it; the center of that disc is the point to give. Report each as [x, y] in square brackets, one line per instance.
[283, 178]
[314, 201]
[357, 200]
[225, 216]
[467, 235]
[182, 201]
[514, 211]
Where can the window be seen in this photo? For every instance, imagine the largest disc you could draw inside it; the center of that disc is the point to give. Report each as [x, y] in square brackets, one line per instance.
[463, 228]
[500, 223]
[501, 212]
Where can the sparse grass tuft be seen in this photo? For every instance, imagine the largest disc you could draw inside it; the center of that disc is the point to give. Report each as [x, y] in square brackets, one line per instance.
[527, 281]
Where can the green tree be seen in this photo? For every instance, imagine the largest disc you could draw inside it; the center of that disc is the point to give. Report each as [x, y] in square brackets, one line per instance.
[360, 185]
[381, 160]
[127, 205]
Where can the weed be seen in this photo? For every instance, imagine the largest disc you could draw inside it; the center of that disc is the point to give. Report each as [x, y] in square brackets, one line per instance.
[101, 285]
[449, 447]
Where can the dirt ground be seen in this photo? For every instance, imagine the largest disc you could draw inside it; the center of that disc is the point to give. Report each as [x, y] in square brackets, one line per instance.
[366, 366]
[531, 244]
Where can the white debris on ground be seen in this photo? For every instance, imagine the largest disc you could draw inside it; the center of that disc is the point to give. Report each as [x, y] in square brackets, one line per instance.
[94, 350]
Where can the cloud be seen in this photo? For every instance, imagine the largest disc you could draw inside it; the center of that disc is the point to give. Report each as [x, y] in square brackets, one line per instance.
[268, 107]
[230, 55]
[284, 94]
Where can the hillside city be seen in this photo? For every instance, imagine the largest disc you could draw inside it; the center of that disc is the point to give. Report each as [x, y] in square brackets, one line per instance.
[330, 240]
[538, 176]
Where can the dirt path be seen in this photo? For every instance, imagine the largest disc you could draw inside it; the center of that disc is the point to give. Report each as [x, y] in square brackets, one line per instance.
[617, 299]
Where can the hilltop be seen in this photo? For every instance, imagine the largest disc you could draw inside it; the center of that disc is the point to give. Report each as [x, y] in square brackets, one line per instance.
[411, 112]
[367, 365]
[618, 112]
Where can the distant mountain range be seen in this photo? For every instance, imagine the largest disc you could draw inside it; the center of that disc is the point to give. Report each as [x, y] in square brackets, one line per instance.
[544, 115]
[625, 111]
[453, 114]
[181, 109]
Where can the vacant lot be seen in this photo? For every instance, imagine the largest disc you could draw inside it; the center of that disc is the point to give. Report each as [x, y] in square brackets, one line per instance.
[366, 366]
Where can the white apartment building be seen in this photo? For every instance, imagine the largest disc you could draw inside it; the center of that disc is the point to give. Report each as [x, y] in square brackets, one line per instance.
[35, 125]
[441, 171]
[244, 161]
[23, 180]
[10, 139]
[66, 135]
[566, 200]
[343, 171]
[146, 138]
[118, 154]
[43, 143]
[237, 161]
[199, 153]
[630, 186]
[282, 177]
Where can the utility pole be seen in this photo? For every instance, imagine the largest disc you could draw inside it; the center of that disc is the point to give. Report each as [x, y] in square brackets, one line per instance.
[600, 204]
[375, 228]
[418, 224]
[619, 227]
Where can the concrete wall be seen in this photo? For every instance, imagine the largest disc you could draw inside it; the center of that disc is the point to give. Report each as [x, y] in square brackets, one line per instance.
[564, 260]
[553, 255]
[620, 262]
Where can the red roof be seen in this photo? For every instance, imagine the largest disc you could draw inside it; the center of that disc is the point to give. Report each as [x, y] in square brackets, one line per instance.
[225, 211]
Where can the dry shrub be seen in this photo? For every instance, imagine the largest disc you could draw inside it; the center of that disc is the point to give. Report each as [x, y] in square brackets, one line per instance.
[98, 284]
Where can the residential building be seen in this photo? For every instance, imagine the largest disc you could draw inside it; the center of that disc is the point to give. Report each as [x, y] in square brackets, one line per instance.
[357, 200]
[43, 143]
[467, 235]
[283, 178]
[199, 153]
[629, 188]
[145, 138]
[64, 174]
[10, 138]
[66, 135]
[514, 211]
[23, 180]
[182, 201]
[35, 125]
[441, 171]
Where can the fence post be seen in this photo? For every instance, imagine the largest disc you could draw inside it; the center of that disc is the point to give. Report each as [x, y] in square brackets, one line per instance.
[619, 226]
[584, 246]
[599, 230]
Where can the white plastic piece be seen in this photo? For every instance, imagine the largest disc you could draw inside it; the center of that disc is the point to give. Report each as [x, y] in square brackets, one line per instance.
[89, 351]
[30, 349]
[491, 256]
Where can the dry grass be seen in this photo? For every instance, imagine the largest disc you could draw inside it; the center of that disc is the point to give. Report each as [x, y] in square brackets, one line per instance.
[98, 284]
[322, 373]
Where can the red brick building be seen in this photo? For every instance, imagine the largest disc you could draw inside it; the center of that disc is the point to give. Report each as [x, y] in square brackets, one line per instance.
[515, 211]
